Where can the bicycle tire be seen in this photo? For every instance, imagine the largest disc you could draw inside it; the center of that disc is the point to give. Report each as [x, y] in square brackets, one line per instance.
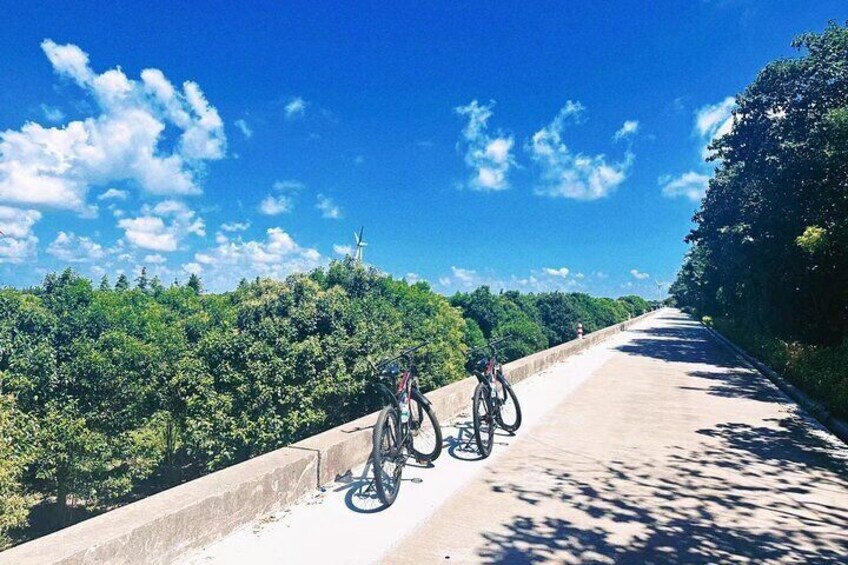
[426, 444]
[386, 449]
[508, 395]
[484, 428]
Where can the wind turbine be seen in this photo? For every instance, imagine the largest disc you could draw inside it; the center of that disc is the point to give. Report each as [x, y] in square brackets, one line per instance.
[659, 284]
[360, 244]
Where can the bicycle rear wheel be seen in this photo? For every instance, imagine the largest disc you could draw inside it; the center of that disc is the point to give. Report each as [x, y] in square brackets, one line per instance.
[387, 455]
[425, 430]
[508, 413]
[484, 428]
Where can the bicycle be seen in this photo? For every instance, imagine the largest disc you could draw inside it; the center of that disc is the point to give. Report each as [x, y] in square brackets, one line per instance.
[495, 403]
[405, 426]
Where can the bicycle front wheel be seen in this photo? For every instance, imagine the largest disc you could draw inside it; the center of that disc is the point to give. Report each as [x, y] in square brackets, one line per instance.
[424, 428]
[484, 425]
[387, 455]
[508, 413]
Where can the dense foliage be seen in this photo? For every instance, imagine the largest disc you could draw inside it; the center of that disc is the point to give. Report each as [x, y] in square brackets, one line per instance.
[770, 250]
[114, 392]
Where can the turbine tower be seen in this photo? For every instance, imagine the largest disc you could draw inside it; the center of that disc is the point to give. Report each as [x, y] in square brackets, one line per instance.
[360, 244]
[659, 284]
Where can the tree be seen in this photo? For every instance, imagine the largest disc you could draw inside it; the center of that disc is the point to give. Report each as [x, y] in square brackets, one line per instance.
[142, 282]
[104, 284]
[771, 241]
[15, 455]
[156, 286]
[122, 283]
[195, 284]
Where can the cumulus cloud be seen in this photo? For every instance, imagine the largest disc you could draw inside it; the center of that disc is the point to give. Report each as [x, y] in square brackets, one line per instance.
[343, 250]
[490, 158]
[573, 175]
[162, 227]
[155, 259]
[274, 205]
[113, 194]
[278, 255]
[56, 166]
[561, 272]
[73, 248]
[636, 274]
[235, 226]
[691, 185]
[466, 277]
[628, 129]
[329, 209]
[296, 107]
[193, 268]
[17, 242]
[544, 280]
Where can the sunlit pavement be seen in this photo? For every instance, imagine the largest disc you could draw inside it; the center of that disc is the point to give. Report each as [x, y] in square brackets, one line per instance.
[656, 446]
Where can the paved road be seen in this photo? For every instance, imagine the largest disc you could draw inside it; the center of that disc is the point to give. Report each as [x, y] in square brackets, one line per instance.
[657, 446]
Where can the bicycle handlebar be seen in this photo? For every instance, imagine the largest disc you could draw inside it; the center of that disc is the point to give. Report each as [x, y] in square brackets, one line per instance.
[403, 354]
[490, 344]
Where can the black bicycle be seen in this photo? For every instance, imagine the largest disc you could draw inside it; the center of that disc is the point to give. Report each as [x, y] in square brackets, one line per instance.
[495, 404]
[406, 426]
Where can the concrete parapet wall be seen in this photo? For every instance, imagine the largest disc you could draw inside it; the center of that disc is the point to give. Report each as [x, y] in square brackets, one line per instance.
[161, 527]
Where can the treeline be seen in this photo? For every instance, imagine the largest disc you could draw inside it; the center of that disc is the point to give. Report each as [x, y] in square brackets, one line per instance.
[769, 258]
[111, 393]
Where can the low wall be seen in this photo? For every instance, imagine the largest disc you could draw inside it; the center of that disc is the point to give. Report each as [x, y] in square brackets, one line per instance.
[161, 527]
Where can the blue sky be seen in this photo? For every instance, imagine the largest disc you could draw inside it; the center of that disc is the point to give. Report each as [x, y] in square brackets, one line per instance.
[552, 145]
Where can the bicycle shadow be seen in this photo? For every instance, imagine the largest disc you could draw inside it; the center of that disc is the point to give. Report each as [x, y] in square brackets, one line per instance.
[463, 445]
[361, 496]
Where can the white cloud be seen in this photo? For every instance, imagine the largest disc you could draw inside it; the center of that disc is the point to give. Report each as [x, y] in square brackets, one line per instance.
[713, 121]
[295, 108]
[561, 272]
[235, 226]
[692, 185]
[17, 223]
[113, 194]
[73, 248]
[278, 255]
[464, 276]
[193, 268]
[639, 275]
[56, 166]
[274, 205]
[412, 278]
[569, 175]
[52, 114]
[489, 157]
[243, 128]
[17, 242]
[150, 230]
[629, 128]
[288, 186]
[329, 209]
[155, 259]
[343, 250]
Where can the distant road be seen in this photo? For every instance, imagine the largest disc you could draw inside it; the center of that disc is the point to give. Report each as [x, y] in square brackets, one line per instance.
[657, 446]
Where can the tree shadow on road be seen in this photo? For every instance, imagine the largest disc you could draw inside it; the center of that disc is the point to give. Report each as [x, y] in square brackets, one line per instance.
[775, 491]
[754, 495]
[685, 341]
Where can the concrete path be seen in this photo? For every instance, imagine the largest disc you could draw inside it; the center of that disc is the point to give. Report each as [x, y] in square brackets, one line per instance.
[657, 446]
